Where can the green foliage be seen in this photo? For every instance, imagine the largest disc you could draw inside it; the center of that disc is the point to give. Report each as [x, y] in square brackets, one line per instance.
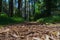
[4, 19]
[37, 16]
[41, 20]
[18, 19]
[53, 19]
[3, 15]
[37, 10]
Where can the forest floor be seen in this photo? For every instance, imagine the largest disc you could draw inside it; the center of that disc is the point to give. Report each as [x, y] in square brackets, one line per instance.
[30, 31]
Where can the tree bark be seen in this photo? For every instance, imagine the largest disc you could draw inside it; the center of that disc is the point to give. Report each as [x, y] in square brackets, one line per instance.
[0, 5]
[19, 8]
[10, 8]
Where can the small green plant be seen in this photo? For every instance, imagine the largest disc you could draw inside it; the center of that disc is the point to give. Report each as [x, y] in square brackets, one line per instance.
[41, 20]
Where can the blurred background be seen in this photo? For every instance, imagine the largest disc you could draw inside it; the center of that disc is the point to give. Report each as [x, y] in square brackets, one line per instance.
[17, 11]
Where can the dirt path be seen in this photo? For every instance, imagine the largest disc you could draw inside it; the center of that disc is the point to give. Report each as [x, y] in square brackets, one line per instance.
[30, 31]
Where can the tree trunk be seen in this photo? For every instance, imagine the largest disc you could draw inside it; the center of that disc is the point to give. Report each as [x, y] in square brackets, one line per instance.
[10, 8]
[0, 5]
[25, 11]
[19, 8]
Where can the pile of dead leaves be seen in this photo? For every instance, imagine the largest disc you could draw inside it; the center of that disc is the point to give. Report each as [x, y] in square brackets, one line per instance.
[30, 32]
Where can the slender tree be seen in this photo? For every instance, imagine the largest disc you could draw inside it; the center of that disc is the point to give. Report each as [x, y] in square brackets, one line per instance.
[11, 8]
[25, 10]
[0, 5]
[19, 8]
[5, 6]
